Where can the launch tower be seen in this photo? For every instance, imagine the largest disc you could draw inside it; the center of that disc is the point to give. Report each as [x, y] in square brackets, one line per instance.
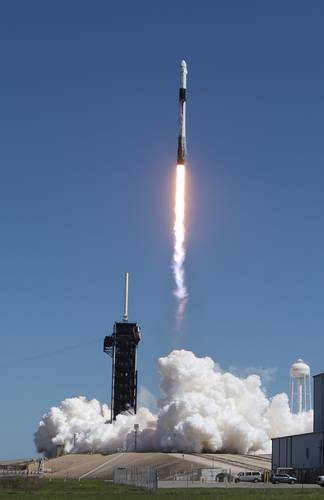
[121, 346]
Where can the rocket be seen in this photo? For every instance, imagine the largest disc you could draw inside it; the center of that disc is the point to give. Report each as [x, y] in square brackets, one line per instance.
[182, 149]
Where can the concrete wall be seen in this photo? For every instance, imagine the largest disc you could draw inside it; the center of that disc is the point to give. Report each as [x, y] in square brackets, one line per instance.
[319, 403]
[304, 451]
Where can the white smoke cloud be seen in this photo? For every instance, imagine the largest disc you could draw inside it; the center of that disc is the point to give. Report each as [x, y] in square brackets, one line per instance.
[267, 375]
[81, 425]
[146, 399]
[200, 409]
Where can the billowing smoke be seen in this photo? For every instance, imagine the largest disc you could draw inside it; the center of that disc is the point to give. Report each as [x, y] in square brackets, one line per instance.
[201, 408]
[179, 251]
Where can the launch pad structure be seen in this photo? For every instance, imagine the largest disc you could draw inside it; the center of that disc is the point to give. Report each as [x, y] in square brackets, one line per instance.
[121, 346]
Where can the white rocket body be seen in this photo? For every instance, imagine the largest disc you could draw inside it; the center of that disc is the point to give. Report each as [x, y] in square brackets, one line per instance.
[182, 149]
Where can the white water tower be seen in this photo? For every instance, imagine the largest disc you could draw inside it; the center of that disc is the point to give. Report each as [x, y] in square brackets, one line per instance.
[300, 387]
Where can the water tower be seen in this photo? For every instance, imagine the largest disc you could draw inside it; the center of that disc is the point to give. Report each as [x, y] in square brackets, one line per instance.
[300, 387]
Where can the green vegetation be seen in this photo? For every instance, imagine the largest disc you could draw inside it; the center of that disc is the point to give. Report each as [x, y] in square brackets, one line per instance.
[59, 489]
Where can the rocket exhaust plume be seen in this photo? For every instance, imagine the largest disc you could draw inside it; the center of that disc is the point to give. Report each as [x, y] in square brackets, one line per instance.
[179, 252]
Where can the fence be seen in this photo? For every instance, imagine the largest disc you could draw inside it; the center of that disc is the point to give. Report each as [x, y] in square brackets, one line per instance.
[134, 476]
[205, 475]
[20, 473]
[305, 476]
[13, 483]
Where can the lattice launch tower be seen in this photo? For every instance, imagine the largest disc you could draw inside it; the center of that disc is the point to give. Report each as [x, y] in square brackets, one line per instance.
[121, 346]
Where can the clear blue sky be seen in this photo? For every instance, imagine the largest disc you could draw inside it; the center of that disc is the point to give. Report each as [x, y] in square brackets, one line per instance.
[88, 118]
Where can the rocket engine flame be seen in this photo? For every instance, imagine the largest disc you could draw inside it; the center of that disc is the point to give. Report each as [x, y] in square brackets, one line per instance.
[179, 252]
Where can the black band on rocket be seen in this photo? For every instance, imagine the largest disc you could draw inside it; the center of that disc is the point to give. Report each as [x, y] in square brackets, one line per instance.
[182, 95]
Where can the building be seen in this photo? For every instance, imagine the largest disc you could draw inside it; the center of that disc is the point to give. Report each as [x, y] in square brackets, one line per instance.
[21, 467]
[304, 452]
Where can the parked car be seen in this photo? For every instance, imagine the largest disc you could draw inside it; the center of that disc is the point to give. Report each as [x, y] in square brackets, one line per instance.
[254, 477]
[320, 480]
[283, 478]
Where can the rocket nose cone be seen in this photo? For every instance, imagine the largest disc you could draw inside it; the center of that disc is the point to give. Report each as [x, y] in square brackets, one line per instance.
[183, 67]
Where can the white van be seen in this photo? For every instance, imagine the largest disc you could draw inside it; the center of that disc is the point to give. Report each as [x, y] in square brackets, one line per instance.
[320, 481]
[253, 477]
